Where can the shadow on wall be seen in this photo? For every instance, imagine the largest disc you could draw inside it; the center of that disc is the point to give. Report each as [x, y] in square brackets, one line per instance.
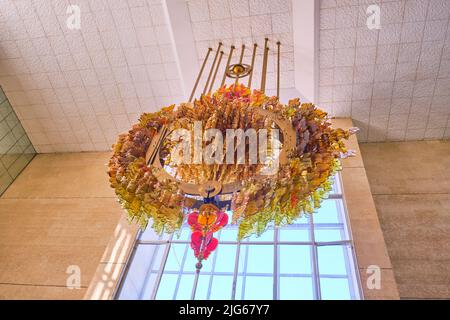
[16, 150]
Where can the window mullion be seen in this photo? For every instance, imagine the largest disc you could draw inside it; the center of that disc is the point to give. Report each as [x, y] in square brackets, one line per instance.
[213, 268]
[244, 272]
[149, 271]
[125, 271]
[262, 243]
[276, 264]
[161, 269]
[180, 273]
[315, 264]
[235, 272]
[348, 228]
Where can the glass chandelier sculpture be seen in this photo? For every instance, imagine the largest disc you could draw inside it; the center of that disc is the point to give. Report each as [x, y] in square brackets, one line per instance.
[231, 149]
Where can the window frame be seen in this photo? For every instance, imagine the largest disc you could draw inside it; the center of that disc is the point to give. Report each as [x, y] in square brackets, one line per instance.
[351, 263]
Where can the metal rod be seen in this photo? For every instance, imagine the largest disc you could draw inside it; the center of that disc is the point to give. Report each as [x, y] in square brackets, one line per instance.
[152, 158]
[278, 69]
[198, 267]
[264, 70]
[200, 74]
[240, 62]
[212, 68]
[252, 66]
[194, 287]
[215, 72]
[241, 58]
[228, 65]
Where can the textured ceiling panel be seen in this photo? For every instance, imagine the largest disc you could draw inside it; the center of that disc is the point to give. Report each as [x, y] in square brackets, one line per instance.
[394, 82]
[76, 90]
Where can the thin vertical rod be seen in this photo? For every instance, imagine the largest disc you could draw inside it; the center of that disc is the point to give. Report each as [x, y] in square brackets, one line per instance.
[264, 75]
[240, 62]
[252, 66]
[215, 72]
[242, 54]
[198, 267]
[228, 65]
[264, 70]
[278, 69]
[194, 288]
[200, 74]
[212, 67]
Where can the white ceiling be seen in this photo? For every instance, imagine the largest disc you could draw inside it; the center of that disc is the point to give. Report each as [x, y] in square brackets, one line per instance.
[395, 82]
[76, 90]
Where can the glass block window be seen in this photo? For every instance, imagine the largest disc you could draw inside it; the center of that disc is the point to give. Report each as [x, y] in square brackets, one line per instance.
[16, 150]
[311, 259]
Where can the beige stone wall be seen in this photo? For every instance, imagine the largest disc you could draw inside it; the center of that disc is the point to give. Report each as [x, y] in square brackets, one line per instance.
[410, 183]
[368, 238]
[59, 212]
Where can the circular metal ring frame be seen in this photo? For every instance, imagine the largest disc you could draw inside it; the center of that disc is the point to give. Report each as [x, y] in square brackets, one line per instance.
[213, 188]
